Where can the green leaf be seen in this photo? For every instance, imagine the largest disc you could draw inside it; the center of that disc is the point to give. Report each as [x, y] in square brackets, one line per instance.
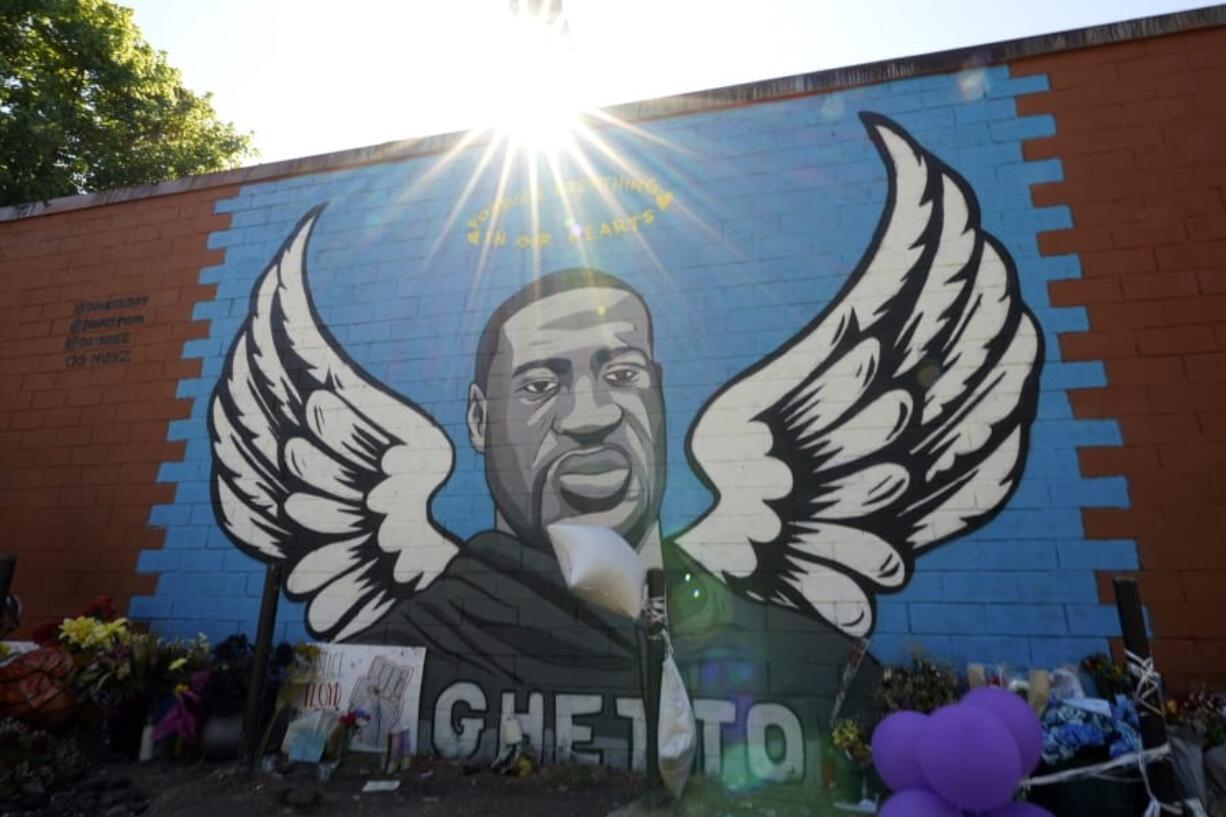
[86, 104]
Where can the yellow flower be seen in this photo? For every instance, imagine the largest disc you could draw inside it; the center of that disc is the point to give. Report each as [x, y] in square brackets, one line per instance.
[181, 688]
[78, 632]
[178, 664]
[86, 632]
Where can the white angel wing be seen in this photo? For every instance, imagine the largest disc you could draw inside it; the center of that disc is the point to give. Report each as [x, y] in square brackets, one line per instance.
[318, 466]
[896, 420]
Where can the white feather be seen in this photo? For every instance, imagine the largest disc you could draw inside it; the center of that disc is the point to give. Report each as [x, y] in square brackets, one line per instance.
[342, 431]
[873, 456]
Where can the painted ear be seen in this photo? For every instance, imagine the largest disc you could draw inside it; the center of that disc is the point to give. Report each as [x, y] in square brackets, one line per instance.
[476, 416]
[318, 466]
[896, 420]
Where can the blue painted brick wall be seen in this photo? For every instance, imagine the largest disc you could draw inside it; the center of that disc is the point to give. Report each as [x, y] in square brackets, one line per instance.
[773, 205]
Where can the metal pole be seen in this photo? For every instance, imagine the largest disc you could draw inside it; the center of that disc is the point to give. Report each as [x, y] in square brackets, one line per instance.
[8, 563]
[10, 606]
[1147, 687]
[258, 679]
[656, 600]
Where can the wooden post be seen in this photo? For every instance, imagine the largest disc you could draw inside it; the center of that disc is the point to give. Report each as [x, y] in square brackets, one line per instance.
[258, 679]
[656, 624]
[1147, 687]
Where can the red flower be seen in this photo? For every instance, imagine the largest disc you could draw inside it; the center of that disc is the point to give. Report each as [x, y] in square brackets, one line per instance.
[47, 634]
[102, 608]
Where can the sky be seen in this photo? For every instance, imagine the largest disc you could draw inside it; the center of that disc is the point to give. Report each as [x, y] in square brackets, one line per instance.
[315, 76]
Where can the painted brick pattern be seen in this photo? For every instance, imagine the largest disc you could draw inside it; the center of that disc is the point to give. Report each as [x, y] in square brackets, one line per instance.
[82, 437]
[792, 191]
[1140, 130]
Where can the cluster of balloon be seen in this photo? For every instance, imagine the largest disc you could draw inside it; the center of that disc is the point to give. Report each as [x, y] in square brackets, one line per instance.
[963, 759]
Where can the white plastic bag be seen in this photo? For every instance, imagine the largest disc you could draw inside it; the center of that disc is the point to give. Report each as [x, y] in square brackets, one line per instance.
[678, 732]
[600, 567]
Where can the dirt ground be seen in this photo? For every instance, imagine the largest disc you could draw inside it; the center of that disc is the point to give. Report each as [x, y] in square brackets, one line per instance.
[432, 788]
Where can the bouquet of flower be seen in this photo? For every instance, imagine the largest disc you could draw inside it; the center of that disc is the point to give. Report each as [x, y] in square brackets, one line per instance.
[850, 738]
[923, 686]
[1203, 714]
[347, 726]
[105, 658]
[1076, 735]
[1109, 678]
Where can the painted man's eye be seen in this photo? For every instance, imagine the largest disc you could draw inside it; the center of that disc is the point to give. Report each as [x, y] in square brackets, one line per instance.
[623, 376]
[539, 388]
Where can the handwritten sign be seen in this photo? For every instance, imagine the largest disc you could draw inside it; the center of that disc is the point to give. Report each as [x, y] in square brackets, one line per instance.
[383, 682]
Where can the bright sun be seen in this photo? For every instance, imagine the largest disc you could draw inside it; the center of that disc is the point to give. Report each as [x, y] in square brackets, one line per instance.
[539, 101]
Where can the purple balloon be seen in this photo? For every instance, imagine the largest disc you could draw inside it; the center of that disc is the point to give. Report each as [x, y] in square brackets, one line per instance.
[969, 758]
[1022, 810]
[1018, 718]
[894, 742]
[917, 803]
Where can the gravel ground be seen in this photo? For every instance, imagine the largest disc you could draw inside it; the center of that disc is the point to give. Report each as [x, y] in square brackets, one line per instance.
[433, 788]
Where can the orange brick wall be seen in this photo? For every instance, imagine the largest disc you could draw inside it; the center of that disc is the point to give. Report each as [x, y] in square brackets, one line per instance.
[1141, 134]
[82, 436]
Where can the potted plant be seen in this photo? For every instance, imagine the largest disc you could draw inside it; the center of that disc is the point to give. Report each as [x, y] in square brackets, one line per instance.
[852, 760]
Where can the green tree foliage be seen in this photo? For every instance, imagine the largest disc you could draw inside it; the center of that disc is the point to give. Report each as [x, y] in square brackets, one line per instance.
[86, 104]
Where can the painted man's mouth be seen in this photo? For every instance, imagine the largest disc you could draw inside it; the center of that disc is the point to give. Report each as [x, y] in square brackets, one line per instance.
[593, 479]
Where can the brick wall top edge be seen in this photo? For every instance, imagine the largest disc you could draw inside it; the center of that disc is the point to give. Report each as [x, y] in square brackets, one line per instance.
[730, 96]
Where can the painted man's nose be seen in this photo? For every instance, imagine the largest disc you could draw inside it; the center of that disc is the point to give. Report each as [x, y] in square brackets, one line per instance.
[589, 416]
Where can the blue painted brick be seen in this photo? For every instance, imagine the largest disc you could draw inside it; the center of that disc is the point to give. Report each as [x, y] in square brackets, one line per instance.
[144, 608]
[161, 516]
[1105, 554]
[157, 561]
[985, 111]
[1017, 86]
[991, 651]
[253, 217]
[200, 561]
[193, 492]
[1024, 619]
[1102, 492]
[1093, 619]
[1033, 172]
[237, 560]
[1063, 319]
[1075, 375]
[221, 584]
[180, 537]
[949, 619]
[891, 618]
[1056, 652]
[1077, 432]
[1052, 523]
[1058, 267]
[979, 553]
[203, 514]
[898, 649]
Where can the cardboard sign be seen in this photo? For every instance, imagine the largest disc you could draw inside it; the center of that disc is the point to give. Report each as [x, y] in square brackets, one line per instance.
[383, 682]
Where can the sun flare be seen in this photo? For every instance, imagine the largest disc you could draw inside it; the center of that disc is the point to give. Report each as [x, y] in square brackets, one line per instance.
[538, 106]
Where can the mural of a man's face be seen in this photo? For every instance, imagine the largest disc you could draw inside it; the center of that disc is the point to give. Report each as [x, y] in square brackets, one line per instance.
[571, 416]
